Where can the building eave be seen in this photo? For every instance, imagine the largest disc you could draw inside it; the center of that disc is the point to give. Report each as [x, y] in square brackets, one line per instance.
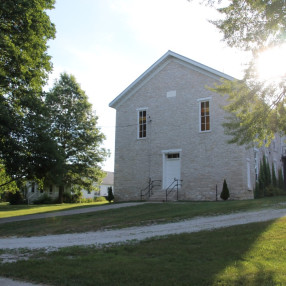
[170, 54]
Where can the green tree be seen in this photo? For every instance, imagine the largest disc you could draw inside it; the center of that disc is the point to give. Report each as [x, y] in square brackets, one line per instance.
[225, 191]
[264, 176]
[25, 29]
[261, 179]
[110, 196]
[257, 107]
[73, 127]
[268, 173]
[280, 180]
[274, 178]
[25, 147]
[7, 184]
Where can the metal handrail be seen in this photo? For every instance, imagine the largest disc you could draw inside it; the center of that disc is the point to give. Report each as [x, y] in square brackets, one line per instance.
[148, 189]
[175, 184]
[29, 197]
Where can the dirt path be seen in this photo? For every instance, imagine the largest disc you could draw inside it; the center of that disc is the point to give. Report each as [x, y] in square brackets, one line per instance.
[139, 233]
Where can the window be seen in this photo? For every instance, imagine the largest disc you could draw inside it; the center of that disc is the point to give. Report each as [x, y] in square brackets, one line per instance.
[205, 116]
[173, 156]
[51, 189]
[33, 188]
[142, 123]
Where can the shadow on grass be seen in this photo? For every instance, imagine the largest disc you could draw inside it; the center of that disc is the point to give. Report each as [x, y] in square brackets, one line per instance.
[241, 255]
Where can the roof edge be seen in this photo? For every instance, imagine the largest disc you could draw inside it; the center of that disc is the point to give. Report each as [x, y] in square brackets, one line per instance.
[169, 53]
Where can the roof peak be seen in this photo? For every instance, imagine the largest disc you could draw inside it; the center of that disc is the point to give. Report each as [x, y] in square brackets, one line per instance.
[196, 66]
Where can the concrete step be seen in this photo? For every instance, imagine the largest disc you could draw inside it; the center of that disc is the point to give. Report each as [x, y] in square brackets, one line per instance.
[160, 196]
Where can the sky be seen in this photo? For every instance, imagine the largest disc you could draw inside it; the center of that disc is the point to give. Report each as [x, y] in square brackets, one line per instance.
[108, 44]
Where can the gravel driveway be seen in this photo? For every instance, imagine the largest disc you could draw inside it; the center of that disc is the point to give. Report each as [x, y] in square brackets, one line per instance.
[52, 242]
[139, 233]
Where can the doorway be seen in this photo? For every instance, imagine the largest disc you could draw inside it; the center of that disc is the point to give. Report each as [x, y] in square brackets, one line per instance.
[171, 167]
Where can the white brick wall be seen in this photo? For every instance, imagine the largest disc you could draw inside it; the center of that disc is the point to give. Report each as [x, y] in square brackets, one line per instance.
[206, 158]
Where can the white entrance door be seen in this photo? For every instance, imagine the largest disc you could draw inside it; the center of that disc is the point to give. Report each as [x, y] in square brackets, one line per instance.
[171, 168]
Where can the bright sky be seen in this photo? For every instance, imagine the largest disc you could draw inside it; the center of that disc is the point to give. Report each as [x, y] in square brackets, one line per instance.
[107, 44]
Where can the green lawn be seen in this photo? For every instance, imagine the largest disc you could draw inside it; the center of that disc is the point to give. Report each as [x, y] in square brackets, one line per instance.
[133, 216]
[7, 210]
[252, 254]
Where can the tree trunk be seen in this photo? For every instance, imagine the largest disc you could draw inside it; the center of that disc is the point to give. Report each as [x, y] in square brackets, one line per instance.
[61, 194]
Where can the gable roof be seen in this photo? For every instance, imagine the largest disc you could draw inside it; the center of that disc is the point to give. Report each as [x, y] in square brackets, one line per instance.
[157, 66]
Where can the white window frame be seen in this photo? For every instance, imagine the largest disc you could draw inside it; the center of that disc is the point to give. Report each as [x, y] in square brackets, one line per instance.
[200, 101]
[138, 122]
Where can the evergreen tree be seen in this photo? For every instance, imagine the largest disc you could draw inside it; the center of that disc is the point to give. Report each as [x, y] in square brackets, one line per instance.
[280, 180]
[274, 179]
[73, 127]
[268, 174]
[110, 195]
[264, 176]
[225, 192]
[261, 177]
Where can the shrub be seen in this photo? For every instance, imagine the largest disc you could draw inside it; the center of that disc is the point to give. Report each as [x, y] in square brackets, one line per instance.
[72, 198]
[44, 199]
[271, 191]
[258, 192]
[110, 195]
[99, 199]
[268, 183]
[86, 200]
[15, 198]
[225, 192]
[67, 197]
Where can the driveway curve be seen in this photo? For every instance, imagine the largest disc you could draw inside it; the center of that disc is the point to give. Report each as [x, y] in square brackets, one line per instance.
[99, 238]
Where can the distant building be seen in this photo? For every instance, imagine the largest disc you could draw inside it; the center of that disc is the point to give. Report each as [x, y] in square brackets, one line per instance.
[32, 191]
[103, 188]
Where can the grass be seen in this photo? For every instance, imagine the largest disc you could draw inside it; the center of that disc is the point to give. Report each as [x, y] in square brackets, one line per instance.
[252, 254]
[7, 210]
[132, 216]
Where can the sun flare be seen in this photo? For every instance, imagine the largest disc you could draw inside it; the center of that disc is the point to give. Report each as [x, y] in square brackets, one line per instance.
[271, 64]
